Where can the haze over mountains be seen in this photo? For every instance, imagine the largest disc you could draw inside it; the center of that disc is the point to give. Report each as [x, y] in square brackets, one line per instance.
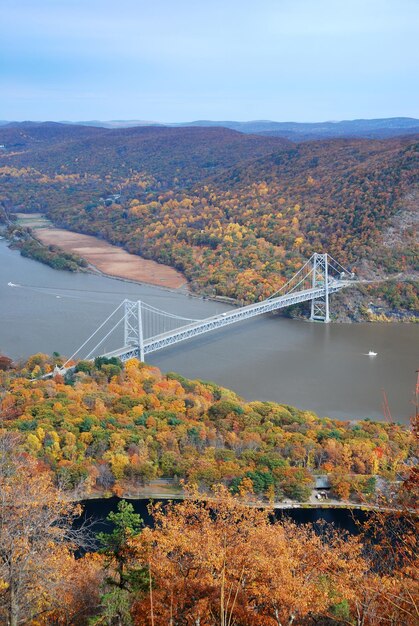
[295, 131]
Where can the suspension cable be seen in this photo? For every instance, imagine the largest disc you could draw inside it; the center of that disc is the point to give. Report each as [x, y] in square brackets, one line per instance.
[153, 309]
[93, 334]
[337, 264]
[301, 281]
[291, 279]
[105, 337]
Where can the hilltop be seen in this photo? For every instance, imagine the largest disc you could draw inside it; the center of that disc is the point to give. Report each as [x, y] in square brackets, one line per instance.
[174, 156]
[112, 427]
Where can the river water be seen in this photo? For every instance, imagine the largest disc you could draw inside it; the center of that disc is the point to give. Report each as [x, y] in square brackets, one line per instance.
[320, 367]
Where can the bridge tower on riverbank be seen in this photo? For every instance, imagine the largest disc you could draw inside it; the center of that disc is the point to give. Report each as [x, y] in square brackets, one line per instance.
[320, 279]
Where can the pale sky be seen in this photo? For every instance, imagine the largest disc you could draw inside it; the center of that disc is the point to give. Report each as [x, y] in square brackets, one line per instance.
[183, 60]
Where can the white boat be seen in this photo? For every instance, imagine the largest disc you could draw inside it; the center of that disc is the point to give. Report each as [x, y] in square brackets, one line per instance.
[371, 353]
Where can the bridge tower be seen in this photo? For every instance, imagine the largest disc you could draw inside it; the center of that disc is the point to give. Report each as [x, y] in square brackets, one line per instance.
[320, 279]
[133, 326]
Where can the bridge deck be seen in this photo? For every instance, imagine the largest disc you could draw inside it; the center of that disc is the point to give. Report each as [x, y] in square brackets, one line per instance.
[194, 329]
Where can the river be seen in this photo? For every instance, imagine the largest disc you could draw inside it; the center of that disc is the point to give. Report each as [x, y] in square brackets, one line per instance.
[314, 366]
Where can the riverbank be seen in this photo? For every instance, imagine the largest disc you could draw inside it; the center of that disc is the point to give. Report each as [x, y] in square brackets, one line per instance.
[101, 256]
[146, 495]
[115, 262]
[112, 261]
[165, 489]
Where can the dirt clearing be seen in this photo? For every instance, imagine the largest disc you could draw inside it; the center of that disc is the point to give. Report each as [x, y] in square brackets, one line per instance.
[110, 259]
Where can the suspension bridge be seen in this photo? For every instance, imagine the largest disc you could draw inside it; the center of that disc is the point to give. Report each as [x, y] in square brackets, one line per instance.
[147, 329]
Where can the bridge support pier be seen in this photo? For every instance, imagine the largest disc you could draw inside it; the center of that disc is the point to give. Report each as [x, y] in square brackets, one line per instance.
[133, 326]
[320, 305]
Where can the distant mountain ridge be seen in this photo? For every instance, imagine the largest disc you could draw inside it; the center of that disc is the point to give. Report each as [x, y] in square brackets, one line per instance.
[379, 128]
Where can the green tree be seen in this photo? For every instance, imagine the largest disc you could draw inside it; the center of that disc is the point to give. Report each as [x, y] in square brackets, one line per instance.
[126, 574]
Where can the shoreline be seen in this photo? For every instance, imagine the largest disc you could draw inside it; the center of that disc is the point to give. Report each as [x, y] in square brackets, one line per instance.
[165, 489]
[277, 506]
[153, 273]
[137, 269]
[37, 221]
[102, 257]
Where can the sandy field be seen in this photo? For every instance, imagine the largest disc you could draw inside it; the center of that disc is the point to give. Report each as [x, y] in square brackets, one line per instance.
[112, 260]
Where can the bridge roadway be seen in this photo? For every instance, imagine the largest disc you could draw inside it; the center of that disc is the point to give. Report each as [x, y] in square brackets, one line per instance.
[158, 342]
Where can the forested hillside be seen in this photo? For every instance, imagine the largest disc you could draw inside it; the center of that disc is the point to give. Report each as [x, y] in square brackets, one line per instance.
[106, 429]
[176, 157]
[209, 560]
[236, 213]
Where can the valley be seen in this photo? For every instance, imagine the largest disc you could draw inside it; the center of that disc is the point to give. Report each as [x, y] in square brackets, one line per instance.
[235, 214]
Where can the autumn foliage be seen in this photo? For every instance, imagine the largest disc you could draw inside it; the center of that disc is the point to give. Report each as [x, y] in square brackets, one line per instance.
[237, 214]
[215, 561]
[220, 562]
[38, 572]
[108, 428]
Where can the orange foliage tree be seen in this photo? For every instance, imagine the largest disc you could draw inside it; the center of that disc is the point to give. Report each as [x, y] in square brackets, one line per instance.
[37, 567]
[218, 562]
